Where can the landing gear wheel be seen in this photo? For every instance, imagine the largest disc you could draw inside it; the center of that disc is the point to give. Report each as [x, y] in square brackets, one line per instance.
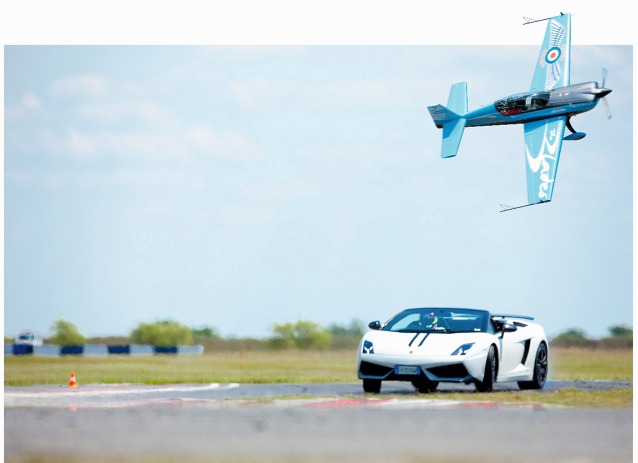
[540, 370]
[373, 386]
[490, 373]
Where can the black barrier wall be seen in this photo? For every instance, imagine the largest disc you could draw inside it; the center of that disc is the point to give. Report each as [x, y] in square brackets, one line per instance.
[101, 349]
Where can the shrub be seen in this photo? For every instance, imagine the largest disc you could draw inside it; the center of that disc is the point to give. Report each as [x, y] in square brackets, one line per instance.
[346, 336]
[621, 332]
[65, 334]
[355, 329]
[573, 337]
[620, 337]
[163, 333]
[303, 335]
[204, 332]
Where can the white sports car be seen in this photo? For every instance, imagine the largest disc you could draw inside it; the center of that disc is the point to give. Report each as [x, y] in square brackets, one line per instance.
[430, 345]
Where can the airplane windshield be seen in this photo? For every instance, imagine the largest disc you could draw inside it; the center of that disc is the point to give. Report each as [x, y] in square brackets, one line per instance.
[522, 103]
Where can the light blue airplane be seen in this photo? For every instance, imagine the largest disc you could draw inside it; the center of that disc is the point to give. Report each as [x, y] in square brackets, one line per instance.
[544, 111]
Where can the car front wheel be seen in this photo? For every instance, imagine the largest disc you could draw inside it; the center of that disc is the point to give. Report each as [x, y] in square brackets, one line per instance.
[372, 386]
[490, 373]
[540, 370]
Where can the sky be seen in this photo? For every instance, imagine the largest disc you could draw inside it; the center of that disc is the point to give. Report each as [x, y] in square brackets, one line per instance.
[236, 177]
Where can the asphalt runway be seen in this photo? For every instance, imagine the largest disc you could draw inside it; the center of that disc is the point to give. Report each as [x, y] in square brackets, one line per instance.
[310, 423]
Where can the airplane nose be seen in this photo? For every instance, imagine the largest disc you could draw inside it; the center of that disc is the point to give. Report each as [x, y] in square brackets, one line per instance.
[601, 92]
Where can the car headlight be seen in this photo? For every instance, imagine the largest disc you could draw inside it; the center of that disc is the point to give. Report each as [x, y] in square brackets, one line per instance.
[461, 350]
[367, 347]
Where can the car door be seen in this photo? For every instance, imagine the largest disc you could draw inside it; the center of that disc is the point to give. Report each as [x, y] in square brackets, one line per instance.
[511, 352]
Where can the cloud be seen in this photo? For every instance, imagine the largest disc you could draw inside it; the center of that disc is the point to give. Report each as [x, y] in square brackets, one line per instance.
[84, 85]
[358, 94]
[252, 93]
[30, 101]
[27, 105]
[135, 129]
[182, 145]
[126, 111]
[227, 145]
[148, 146]
[81, 144]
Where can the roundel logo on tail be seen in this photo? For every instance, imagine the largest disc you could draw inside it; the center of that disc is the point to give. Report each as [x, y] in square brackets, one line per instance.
[553, 55]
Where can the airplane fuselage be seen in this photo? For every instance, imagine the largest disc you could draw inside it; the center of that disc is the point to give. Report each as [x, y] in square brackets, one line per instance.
[532, 106]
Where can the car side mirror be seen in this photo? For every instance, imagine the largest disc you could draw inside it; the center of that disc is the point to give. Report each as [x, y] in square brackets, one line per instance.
[509, 327]
[375, 325]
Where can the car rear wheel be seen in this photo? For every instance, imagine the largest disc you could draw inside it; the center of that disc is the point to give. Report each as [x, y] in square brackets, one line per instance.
[490, 373]
[372, 386]
[424, 385]
[540, 370]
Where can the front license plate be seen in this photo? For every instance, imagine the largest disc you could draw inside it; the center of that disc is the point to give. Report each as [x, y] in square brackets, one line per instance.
[406, 370]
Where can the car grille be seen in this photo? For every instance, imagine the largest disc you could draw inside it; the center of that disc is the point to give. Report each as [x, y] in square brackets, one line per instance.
[450, 371]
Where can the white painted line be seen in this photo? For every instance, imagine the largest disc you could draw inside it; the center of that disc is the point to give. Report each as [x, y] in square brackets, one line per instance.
[117, 389]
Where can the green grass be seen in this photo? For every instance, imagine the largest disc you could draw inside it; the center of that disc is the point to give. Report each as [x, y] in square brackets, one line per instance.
[591, 364]
[294, 366]
[242, 367]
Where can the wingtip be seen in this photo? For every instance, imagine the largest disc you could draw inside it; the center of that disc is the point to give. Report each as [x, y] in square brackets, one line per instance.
[505, 207]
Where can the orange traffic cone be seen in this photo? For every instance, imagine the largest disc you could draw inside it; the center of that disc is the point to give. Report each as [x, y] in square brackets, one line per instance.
[72, 381]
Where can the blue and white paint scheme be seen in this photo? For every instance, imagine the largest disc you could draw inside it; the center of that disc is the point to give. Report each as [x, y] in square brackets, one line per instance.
[545, 111]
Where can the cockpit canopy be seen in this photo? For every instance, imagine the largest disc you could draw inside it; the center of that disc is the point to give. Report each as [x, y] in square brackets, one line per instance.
[522, 103]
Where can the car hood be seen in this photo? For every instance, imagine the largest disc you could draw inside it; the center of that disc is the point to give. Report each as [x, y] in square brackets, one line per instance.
[389, 343]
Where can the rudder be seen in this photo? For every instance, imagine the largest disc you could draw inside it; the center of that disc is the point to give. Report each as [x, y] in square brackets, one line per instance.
[457, 101]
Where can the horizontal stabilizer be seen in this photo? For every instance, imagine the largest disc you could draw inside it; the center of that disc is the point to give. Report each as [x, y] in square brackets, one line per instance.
[440, 115]
[452, 134]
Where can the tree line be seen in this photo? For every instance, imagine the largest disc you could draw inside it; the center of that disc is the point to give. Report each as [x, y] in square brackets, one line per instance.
[620, 336]
[302, 334]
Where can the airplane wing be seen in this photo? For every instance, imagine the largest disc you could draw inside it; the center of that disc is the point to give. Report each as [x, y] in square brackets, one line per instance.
[543, 141]
[553, 65]
[544, 138]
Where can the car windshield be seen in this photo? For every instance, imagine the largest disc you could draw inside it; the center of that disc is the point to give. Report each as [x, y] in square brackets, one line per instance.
[442, 320]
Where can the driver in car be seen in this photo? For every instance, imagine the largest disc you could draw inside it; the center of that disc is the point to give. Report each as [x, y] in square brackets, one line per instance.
[426, 321]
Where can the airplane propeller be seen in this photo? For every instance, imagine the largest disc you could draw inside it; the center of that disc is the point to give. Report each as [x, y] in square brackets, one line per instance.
[604, 99]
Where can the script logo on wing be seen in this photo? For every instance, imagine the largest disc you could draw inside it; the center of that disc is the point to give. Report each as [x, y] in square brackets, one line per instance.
[546, 159]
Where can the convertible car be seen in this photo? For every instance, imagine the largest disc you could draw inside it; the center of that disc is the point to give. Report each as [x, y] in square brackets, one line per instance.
[430, 345]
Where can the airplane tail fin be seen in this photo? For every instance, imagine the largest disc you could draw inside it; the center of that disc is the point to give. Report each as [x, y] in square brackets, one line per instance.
[451, 119]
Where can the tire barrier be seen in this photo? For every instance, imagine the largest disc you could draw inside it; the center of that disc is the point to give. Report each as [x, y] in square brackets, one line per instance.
[119, 350]
[97, 350]
[17, 349]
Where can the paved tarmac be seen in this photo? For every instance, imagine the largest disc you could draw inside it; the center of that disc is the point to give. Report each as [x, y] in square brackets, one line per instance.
[309, 423]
